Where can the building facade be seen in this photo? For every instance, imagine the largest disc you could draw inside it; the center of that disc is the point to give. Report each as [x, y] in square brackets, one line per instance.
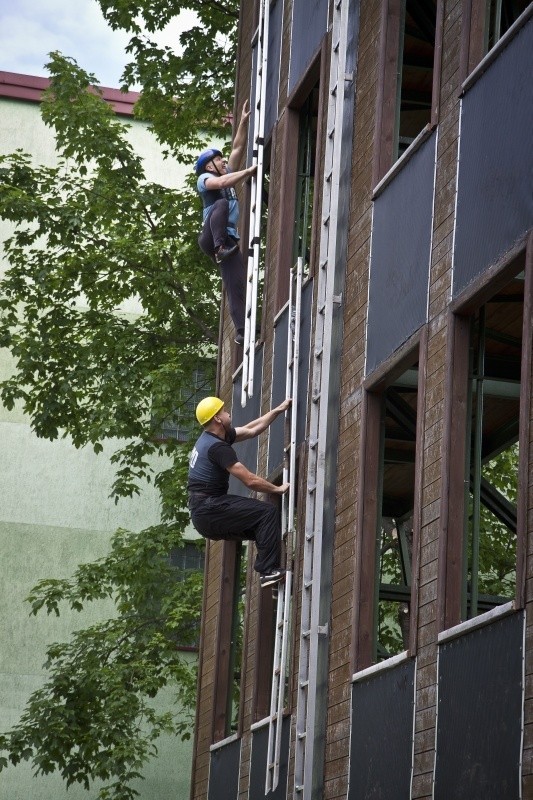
[396, 169]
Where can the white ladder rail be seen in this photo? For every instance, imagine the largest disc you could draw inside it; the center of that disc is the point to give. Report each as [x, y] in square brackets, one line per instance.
[277, 698]
[311, 630]
[256, 199]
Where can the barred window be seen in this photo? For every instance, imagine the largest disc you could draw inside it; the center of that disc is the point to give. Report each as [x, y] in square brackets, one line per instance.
[180, 424]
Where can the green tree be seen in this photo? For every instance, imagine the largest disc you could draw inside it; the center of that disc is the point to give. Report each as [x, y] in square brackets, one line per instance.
[88, 235]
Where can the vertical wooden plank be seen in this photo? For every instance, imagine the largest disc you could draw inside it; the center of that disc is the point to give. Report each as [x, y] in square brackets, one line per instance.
[525, 427]
[454, 457]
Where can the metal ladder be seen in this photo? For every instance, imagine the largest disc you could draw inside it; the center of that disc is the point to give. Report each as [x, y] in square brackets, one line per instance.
[281, 641]
[312, 633]
[256, 198]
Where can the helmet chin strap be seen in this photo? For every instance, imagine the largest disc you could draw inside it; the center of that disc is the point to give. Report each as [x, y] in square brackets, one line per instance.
[216, 168]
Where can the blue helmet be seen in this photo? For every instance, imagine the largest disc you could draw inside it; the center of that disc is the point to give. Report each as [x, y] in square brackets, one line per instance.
[204, 158]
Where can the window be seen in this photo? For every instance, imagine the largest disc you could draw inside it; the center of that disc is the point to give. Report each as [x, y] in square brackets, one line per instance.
[394, 539]
[307, 145]
[267, 630]
[179, 424]
[489, 20]
[407, 99]
[389, 501]
[499, 16]
[187, 569]
[489, 559]
[189, 557]
[229, 647]
[483, 498]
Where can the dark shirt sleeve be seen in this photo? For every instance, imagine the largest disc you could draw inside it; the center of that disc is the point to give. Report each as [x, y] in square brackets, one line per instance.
[223, 455]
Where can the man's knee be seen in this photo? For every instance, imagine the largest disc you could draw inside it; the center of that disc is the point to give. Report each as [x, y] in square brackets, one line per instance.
[220, 204]
[271, 512]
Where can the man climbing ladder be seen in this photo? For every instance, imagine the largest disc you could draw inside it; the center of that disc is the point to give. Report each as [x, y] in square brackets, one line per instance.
[218, 515]
[219, 238]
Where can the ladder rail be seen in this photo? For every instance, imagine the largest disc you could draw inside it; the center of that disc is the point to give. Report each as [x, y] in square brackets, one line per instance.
[281, 646]
[277, 698]
[256, 199]
[295, 384]
[311, 630]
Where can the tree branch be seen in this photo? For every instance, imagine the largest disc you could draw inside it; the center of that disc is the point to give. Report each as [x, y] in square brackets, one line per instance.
[214, 4]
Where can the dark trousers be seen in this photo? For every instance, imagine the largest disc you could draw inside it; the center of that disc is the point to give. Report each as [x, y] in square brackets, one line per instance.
[232, 269]
[241, 519]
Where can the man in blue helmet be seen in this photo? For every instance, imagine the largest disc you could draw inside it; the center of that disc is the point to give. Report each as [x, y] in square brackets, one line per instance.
[219, 238]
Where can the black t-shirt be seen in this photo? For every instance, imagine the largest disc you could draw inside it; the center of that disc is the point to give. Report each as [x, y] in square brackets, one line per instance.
[208, 464]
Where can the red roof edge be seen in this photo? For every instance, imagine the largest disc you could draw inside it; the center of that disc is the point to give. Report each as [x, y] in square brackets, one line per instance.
[31, 87]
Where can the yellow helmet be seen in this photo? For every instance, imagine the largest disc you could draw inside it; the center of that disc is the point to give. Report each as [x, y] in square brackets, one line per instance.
[207, 408]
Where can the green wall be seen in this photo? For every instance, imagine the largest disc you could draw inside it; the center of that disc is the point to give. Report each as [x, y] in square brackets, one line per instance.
[54, 514]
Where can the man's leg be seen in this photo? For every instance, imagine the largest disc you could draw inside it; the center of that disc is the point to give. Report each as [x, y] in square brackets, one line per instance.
[218, 222]
[234, 279]
[233, 273]
[233, 517]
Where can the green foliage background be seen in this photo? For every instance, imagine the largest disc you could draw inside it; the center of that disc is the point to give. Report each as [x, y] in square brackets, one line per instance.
[89, 234]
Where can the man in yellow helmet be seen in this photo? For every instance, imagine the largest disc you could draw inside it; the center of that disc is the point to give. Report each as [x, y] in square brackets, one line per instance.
[218, 515]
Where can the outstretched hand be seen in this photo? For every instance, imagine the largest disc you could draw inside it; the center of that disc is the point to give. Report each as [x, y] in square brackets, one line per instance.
[284, 488]
[285, 405]
[245, 112]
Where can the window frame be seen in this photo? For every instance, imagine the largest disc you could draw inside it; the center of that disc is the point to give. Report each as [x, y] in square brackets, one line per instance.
[452, 532]
[365, 590]
[473, 51]
[289, 130]
[386, 104]
[224, 650]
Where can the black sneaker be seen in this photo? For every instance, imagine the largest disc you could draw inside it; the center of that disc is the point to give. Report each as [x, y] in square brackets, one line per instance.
[274, 576]
[224, 252]
[239, 339]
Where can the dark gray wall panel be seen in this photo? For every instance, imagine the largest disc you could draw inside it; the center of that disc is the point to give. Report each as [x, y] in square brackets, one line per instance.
[276, 439]
[224, 772]
[495, 182]
[246, 451]
[309, 24]
[274, 54]
[400, 256]
[382, 731]
[480, 712]
[272, 79]
[259, 760]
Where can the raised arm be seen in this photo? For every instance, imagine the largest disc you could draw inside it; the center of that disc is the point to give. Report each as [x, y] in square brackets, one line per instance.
[229, 179]
[257, 426]
[241, 135]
